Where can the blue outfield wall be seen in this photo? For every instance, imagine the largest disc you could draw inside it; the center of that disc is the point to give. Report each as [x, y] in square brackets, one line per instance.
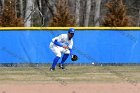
[98, 46]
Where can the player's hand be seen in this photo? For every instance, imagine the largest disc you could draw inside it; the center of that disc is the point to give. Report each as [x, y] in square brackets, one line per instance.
[66, 47]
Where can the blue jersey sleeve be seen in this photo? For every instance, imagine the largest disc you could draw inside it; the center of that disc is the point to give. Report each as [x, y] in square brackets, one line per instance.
[70, 52]
[57, 43]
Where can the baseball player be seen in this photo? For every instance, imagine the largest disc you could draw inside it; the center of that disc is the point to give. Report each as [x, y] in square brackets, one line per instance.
[62, 44]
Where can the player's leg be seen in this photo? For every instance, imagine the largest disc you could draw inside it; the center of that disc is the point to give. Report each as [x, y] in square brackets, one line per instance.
[64, 58]
[57, 52]
[54, 63]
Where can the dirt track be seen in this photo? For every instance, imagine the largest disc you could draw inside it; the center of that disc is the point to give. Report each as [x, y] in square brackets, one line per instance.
[78, 79]
[70, 88]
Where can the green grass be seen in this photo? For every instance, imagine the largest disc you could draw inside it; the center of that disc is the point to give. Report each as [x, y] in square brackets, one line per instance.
[129, 74]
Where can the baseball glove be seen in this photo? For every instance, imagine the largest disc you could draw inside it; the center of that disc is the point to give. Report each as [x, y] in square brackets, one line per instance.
[74, 58]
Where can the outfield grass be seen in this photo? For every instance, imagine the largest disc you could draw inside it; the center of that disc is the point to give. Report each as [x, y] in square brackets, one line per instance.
[129, 74]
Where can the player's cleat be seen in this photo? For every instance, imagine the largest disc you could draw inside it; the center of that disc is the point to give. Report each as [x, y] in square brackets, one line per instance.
[61, 66]
[52, 69]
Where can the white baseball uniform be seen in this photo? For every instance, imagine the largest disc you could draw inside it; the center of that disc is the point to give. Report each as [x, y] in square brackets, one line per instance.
[63, 39]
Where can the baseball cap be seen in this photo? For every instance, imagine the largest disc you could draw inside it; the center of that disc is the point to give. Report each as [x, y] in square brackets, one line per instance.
[71, 30]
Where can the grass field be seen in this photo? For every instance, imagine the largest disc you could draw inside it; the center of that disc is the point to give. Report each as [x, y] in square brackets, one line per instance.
[101, 74]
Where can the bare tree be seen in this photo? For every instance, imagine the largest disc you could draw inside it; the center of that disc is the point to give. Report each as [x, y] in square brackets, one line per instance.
[15, 6]
[38, 17]
[21, 8]
[51, 4]
[138, 24]
[0, 6]
[88, 9]
[2, 2]
[40, 12]
[40, 5]
[97, 13]
[28, 13]
[46, 12]
[77, 12]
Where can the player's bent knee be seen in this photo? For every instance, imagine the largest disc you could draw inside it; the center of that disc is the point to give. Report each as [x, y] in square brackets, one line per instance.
[67, 52]
[58, 54]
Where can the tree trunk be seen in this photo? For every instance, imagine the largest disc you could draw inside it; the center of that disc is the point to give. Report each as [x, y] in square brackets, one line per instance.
[1, 4]
[138, 24]
[45, 12]
[77, 12]
[87, 15]
[21, 9]
[28, 14]
[51, 6]
[40, 5]
[97, 13]
[15, 4]
[0, 7]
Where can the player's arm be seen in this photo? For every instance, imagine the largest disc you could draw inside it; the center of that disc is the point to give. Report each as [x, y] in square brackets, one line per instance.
[56, 41]
[59, 44]
[70, 47]
[71, 52]
[73, 57]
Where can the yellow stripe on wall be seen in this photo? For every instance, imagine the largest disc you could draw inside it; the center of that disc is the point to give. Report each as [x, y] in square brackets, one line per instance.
[65, 28]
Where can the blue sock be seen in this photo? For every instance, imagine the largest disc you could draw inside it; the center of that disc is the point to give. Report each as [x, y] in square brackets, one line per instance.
[64, 58]
[55, 62]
